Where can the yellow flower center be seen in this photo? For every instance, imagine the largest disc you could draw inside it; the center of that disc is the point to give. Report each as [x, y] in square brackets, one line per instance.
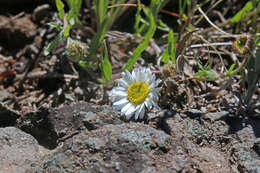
[137, 92]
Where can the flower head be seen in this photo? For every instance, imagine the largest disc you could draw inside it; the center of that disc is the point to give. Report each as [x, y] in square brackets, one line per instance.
[242, 45]
[135, 92]
[75, 50]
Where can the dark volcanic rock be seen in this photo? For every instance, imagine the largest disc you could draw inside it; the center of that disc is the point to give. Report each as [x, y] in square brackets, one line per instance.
[124, 148]
[18, 150]
[93, 138]
[50, 127]
[71, 119]
[210, 160]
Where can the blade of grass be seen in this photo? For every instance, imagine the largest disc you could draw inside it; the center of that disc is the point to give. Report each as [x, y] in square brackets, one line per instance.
[60, 8]
[98, 38]
[242, 13]
[106, 67]
[50, 46]
[130, 63]
[151, 13]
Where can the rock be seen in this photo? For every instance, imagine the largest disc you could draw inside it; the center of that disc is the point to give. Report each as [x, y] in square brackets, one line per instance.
[132, 147]
[246, 160]
[246, 136]
[73, 118]
[40, 12]
[210, 160]
[214, 116]
[93, 138]
[18, 150]
[5, 95]
[250, 166]
[16, 32]
[194, 113]
[52, 126]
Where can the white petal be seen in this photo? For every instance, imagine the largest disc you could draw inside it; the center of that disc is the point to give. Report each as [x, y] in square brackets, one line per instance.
[151, 79]
[142, 76]
[122, 82]
[142, 112]
[148, 103]
[155, 105]
[128, 77]
[155, 90]
[121, 101]
[154, 95]
[138, 110]
[137, 75]
[134, 75]
[119, 93]
[119, 107]
[155, 84]
[158, 81]
[125, 108]
[120, 88]
[117, 98]
[130, 112]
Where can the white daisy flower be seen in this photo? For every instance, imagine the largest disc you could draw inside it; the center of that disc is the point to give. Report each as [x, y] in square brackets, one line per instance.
[135, 92]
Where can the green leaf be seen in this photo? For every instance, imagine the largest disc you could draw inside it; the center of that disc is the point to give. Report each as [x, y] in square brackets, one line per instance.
[200, 73]
[98, 38]
[70, 3]
[106, 67]
[152, 15]
[229, 72]
[206, 73]
[165, 56]
[170, 51]
[60, 7]
[171, 46]
[100, 7]
[55, 25]
[163, 27]
[53, 43]
[241, 14]
[210, 75]
[75, 6]
[67, 31]
[256, 3]
[138, 17]
[201, 67]
[83, 63]
[130, 63]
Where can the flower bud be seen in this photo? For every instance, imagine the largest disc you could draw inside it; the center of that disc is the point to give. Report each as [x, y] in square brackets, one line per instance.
[75, 50]
[242, 45]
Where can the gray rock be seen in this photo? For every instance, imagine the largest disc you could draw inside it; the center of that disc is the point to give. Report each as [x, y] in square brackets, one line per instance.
[214, 116]
[18, 150]
[132, 147]
[71, 119]
[50, 127]
[5, 95]
[246, 160]
[252, 166]
[93, 138]
[40, 12]
[210, 160]
[194, 113]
